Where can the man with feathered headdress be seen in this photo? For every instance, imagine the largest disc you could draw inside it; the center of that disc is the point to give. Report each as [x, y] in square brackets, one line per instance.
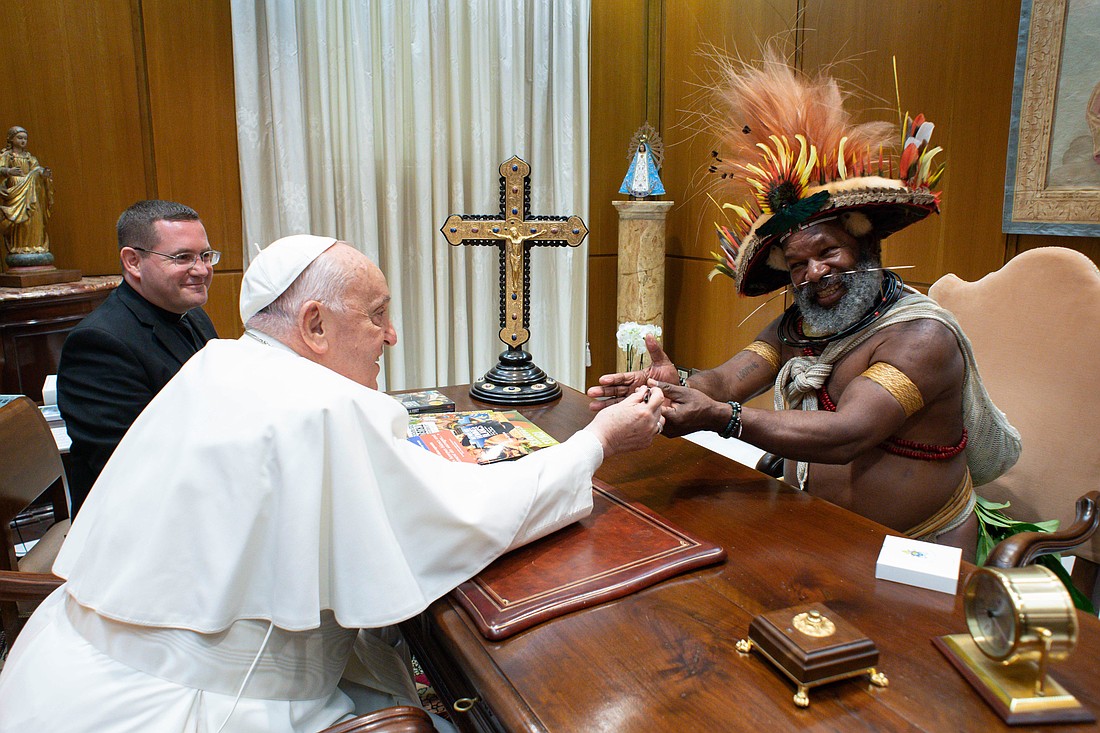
[879, 405]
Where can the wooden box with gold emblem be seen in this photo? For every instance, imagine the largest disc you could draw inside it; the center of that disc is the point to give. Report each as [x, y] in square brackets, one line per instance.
[812, 646]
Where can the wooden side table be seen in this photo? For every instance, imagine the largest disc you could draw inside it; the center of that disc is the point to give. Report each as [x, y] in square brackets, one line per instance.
[34, 323]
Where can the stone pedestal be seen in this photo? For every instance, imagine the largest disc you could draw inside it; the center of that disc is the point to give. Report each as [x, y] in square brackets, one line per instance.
[641, 293]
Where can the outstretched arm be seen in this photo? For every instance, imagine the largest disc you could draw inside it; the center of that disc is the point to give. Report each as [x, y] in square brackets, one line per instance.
[864, 419]
[614, 387]
[867, 412]
[746, 374]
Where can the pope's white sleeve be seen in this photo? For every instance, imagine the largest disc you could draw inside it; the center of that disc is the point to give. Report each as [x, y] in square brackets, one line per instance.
[568, 465]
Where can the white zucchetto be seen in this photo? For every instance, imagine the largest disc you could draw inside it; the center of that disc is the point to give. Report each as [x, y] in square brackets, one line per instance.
[277, 266]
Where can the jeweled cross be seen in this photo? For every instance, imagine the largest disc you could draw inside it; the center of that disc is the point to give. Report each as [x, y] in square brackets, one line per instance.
[514, 230]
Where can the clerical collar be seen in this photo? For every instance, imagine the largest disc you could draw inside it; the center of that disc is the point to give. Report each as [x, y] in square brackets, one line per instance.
[165, 316]
[266, 339]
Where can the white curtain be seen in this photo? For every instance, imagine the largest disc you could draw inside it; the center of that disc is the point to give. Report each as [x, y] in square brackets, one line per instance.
[373, 121]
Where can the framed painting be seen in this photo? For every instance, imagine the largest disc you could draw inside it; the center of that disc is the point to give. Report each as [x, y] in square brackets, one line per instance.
[1052, 183]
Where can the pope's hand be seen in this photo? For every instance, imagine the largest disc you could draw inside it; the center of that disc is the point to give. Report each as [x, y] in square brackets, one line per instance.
[631, 423]
[614, 387]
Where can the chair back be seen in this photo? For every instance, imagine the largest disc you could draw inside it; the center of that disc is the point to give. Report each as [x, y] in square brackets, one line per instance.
[396, 719]
[1033, 327]
[1024, 548]
[30, 465]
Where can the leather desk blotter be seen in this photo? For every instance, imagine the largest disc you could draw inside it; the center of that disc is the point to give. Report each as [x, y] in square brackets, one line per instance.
[620, 548]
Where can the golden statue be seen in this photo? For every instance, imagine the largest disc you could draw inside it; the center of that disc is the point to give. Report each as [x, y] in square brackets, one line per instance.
[26, 197]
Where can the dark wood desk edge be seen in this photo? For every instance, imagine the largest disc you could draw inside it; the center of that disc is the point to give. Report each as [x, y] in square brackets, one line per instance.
[466, 643]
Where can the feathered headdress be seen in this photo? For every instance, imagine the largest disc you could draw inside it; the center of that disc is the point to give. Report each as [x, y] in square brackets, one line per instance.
[790, 150]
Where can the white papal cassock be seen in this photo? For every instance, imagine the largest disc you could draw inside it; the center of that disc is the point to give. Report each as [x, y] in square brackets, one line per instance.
[263, 502]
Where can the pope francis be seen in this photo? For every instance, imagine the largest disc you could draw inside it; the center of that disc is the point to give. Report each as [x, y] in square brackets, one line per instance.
[241, 560]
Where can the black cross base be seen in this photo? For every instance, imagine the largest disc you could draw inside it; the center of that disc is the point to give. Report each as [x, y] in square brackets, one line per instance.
[515, 381]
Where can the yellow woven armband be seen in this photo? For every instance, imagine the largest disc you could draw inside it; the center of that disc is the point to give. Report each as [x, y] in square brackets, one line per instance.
[895, 382]
[765, 351]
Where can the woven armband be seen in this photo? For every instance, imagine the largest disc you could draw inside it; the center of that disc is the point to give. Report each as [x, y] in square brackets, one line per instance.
[733, 427]
[894, 381]
[765, 351]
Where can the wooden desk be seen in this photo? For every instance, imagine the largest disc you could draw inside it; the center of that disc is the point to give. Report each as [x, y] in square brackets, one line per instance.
[33, 325]
[663, 659]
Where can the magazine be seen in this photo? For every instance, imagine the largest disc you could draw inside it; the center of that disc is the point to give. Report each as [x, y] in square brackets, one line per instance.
[478, 436]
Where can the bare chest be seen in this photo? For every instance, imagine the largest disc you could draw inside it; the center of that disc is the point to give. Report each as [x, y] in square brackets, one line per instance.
[853, 364]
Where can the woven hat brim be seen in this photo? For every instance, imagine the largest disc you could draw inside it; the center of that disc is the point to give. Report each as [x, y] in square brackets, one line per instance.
[890, 209]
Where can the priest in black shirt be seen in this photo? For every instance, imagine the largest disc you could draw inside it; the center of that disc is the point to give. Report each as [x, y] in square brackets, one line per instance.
[124, 352]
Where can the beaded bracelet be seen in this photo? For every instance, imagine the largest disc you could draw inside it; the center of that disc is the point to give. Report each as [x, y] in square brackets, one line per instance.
[733, 427]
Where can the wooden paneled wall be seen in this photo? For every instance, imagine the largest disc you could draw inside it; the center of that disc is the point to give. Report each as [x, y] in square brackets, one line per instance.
[126, 100]
[955, 64]
[131, 99]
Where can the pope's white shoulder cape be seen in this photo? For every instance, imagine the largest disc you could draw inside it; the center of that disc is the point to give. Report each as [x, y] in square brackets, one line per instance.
[260, 485]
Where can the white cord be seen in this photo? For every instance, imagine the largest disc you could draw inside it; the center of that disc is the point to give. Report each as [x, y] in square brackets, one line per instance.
[248, 676]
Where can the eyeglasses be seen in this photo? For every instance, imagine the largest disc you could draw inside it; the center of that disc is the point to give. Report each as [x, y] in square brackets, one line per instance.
[187, 260]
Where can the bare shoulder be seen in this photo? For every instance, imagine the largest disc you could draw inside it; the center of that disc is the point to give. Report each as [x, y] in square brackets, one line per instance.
[924, 350]
[926, 336]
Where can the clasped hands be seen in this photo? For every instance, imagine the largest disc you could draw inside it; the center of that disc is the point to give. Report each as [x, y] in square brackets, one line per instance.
[683, 410]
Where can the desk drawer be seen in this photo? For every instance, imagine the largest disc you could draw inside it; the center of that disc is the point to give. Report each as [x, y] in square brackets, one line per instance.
[450, 682]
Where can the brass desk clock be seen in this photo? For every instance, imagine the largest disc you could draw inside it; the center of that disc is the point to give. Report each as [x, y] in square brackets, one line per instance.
[1020, 619]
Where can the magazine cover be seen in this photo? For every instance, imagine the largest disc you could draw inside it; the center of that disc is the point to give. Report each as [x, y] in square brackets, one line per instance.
[428, 400]
[478, 436]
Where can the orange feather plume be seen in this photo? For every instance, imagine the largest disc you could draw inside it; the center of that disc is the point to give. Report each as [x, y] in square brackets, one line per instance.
[752, 102]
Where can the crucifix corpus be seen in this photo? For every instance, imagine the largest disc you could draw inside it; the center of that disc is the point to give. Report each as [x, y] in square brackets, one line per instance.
[515, 380]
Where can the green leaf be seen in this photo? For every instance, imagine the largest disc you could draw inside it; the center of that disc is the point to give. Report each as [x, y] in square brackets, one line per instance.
[1045, 527]
[989, 513]
[994, 526]
[985, 544]
[1054, 562]
[991, 505]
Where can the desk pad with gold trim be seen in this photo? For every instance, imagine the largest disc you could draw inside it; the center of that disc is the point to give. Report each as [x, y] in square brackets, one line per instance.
[620, 548]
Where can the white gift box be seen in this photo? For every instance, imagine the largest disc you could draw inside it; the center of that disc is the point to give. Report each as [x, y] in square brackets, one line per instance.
[49, 390]
[923, 564]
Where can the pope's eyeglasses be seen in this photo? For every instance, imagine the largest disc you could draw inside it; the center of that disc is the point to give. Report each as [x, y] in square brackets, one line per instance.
[187, 260]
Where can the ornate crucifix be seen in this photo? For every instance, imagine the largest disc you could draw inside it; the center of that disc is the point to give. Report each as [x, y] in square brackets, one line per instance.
[515, 380]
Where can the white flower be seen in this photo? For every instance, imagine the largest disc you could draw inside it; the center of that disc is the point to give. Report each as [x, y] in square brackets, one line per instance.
[627, 334]
[631, 339]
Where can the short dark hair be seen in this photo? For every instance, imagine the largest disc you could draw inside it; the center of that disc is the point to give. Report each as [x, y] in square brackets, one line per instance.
[135, 225]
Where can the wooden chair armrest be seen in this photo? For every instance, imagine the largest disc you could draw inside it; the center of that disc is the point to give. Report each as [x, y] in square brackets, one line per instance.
[396, 719]
[1023, 548]
[16, 586]
[771, 465]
